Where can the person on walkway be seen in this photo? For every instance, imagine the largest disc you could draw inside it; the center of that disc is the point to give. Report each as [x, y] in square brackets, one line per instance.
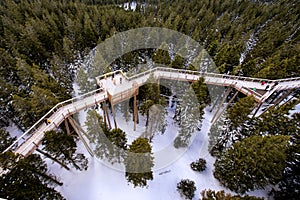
[47, 121]
[267, 87]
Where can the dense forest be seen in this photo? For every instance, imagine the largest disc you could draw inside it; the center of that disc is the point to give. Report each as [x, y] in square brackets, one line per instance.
[42, 44]
[41, 40]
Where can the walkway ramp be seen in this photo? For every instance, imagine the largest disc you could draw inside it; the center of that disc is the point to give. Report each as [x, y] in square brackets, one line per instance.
[117, 87]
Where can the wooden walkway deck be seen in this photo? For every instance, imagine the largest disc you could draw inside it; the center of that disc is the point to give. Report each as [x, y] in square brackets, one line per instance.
[117, 87]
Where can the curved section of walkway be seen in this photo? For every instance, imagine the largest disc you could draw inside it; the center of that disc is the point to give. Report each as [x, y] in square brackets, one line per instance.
[117, 87]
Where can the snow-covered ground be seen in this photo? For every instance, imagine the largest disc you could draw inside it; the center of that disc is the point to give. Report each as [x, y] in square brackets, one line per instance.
[102, 181]
[14, 130]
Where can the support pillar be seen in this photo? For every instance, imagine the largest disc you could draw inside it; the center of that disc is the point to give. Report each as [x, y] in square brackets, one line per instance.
[134, 112]
[114, 115]
[283, 97]
[80, 136]
[220, 105]
[215, 103]
[104, 114]
[230, 101]
[67, 127]
[257, 109]
[107, 115]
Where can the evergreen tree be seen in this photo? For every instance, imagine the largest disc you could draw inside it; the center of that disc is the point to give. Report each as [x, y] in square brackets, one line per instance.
[240, 111]
[199, 165]
[63, 147]
[290, 184]
[276, 121]
[157, 122]
[186, 188]
[27, 179]
[178, 62]
[189, 117]
[230, 128]
[221, 195]
[252, 163]
[5, 140]
[153, 107]
[109, 144]
[139, 162]
[161, 57]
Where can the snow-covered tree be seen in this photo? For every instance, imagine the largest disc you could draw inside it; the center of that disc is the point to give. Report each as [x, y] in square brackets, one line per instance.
[157, 122]
[63, 147]
[109, 144]
[153, 106]
[186, 188]
[252, 163]
[199, 165]
[86, 84]
[221, 195]
[139, 162]
[230, 127]
[27, 178]
[5, 140]
[288, 187]
[189, 117]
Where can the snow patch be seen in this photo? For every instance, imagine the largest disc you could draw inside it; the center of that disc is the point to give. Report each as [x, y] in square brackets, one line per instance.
[103, 182]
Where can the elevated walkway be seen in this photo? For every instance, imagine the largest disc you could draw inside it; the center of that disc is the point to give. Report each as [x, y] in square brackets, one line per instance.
[120, 87]
[117, 87]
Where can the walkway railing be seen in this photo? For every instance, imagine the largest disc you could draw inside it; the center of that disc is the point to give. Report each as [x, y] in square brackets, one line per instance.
[42, 120]
[72, 101]
[198, 73]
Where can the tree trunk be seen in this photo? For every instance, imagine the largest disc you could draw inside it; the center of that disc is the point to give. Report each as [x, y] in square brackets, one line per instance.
[54, 159]
[46, 176]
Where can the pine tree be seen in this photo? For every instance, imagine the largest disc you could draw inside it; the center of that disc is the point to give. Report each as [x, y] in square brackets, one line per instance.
[5, 140]
[231, 126]
[63, 147]
[252, 163]
[289, 184]
[27, 179]
[239, 112]
[187, 188]
[189, 117]
[151, 104]
[109, 144]
[275, 121]
[178, 62]
[157, 122]
[199, 165]
[139, 162]
[161, 57]
[85, 84]
[221, 195]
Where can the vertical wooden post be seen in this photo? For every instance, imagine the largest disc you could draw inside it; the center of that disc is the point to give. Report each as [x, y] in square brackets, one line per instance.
[134, 112]
[104, 114]
[220, 105]
[114, 115]
[67, 127]
[107, 115]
